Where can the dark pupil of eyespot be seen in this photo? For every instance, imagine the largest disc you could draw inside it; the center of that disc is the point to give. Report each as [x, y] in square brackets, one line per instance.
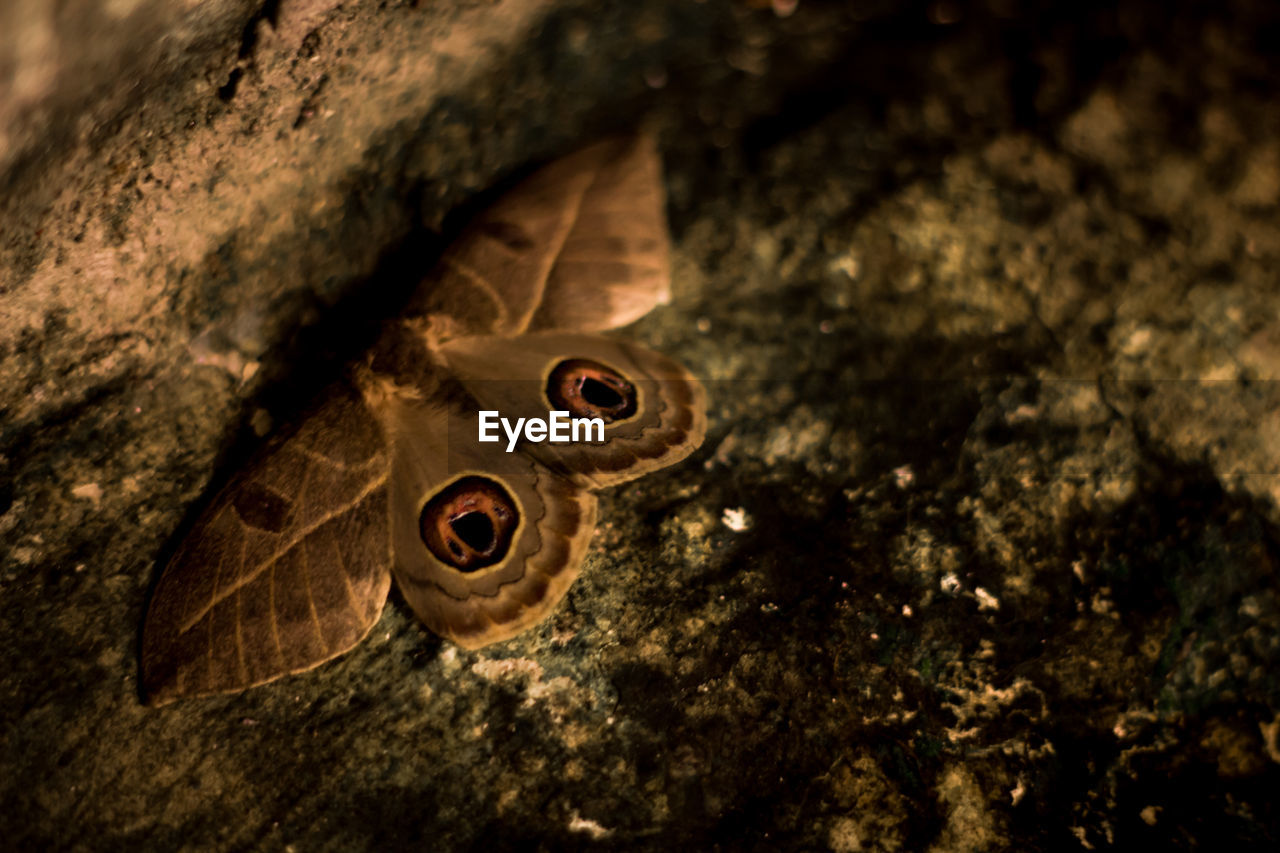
[475, 529]
[599, 394]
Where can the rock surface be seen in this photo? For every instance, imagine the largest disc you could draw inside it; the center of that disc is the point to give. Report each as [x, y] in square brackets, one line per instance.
[981, 551]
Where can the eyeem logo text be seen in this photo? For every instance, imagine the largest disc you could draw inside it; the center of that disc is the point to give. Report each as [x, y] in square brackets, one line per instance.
[558, 428]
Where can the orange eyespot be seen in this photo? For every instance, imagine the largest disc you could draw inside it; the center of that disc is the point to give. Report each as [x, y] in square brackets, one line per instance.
[589, 389]
[469, 524]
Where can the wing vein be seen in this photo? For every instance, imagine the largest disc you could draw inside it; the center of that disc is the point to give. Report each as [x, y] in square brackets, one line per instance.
[317, 456]
[285, 548]
[271, 608]
[311, 600]
[213, 600]
[352, 598]
[244, 669]
[480, 282]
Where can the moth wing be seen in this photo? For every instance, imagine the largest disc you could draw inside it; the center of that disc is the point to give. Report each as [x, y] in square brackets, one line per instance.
[545, 519]
[514, 378]
[614, 264]
[286, 569]
[581, 244]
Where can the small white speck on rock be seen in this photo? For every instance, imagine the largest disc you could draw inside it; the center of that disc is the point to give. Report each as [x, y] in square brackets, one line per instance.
[90, 492]
[736, 519]
[577, 823]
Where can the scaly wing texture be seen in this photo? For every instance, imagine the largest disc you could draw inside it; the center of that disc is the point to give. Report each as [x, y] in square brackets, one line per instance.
[581, 244]
[288, 568]
[511, 377]
[491, 278]
[614, 264]
[435, 445]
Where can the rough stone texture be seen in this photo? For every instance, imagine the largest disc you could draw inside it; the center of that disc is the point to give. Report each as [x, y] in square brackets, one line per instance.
[981, 552]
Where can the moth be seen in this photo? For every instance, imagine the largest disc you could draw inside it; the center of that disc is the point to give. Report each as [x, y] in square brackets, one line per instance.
[291, 563]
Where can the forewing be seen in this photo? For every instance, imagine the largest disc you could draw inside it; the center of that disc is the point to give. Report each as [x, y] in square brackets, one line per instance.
[286, 569]
[581, 244]
[614, 265]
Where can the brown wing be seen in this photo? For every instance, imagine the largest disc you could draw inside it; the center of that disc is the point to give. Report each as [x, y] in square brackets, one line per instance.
[530, 526]
[288, 568]
[614, 265]
[582, 244]
[662, 422]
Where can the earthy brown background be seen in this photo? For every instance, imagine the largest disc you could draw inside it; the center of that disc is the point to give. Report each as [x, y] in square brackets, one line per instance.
[985, 298]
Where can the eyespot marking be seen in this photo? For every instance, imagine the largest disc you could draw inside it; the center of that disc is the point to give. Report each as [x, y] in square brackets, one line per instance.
[469, 524]
[589, 389]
